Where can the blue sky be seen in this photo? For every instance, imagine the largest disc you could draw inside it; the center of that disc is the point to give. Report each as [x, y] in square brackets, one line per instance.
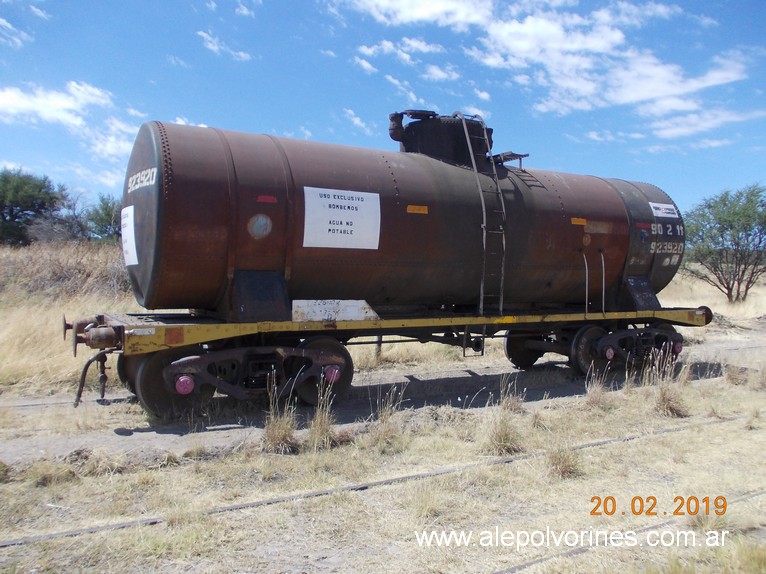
[669, 93]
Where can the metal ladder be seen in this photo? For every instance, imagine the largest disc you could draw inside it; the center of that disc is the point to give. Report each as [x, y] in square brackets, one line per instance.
[493, 224]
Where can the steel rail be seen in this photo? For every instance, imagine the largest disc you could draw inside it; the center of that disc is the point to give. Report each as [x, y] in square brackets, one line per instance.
[359, 487]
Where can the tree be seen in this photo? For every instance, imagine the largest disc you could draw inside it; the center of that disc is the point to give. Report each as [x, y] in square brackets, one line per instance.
[104, 218]
[25, 198]
[726, 241]
[67, 223]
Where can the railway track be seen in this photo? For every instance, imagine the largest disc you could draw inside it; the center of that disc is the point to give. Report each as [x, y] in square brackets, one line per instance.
[466, 385]
[377, 484]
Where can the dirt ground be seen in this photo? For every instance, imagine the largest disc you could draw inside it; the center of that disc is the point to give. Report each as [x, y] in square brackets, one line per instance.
[302, 536]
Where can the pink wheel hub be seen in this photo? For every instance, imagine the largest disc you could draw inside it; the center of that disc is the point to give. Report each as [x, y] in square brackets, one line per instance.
[184, 385]
[332, 373]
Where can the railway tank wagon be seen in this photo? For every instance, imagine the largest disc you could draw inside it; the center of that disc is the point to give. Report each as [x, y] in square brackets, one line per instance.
[285, 250]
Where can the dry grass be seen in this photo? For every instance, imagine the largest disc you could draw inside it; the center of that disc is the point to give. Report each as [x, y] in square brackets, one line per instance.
[669, 403]
[502, 436]
[387, 433]
[564, 462]
[281, 424]
[686, 292]
[95, 487]
[63, 269]
[735, 375]
[321, 430]
[753, 421]
[49, 473]
[87, 462]
[597, 395]
[38, 285]
[510, 399]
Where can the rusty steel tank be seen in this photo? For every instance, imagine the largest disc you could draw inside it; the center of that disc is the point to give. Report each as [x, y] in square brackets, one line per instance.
[239, 225]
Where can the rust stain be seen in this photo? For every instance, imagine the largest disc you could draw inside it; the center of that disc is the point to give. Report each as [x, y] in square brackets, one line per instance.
[174, 336]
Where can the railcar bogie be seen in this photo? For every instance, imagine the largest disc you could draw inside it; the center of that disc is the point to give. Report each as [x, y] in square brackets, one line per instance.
[594, 347]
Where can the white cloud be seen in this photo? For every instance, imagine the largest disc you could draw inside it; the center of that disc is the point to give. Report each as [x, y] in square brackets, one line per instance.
[440, 74]
[402, 50]
[12, 37]
[10, 165]
[628, 14]
[176, 61]
[404, 89]
[210, 42]
[79, 109]
[584, 61]
[668, 105]
[356, 121]
[458, 14]
[241, 56]
[569, 57]
[710, 144]
[328, 53]
[365, 65]
[109, 177]
[386, 47]
[243, 9]
[416, 45]
[39, 12]
[183, 121]
[522, 79]
[643, 77]
[482, 95]
[691, 124]
[705, 21]
[474, 111]
[136, 113]
[113, 140]
[68, 107]
[217, 46]
[605, 136]
[608, 136]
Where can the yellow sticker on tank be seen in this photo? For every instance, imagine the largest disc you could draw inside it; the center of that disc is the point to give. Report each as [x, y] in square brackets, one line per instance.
[579, 221]
[423, 209]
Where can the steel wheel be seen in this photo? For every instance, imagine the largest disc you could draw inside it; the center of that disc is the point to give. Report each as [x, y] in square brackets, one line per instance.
[663, 357]
[583, 355]
[156, 397]
[666, 345]
[521, 357]
[127, 370]
[304, 378]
